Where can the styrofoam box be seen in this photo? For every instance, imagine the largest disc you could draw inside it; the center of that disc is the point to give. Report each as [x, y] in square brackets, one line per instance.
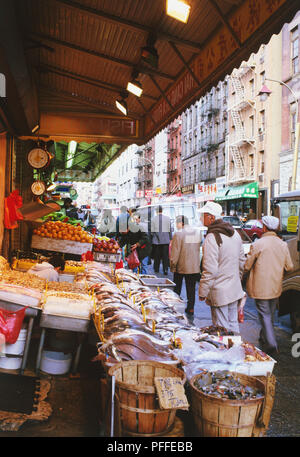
[66, 246]
[236, 339]
[255, 368]
[107, 257]
[64, 277]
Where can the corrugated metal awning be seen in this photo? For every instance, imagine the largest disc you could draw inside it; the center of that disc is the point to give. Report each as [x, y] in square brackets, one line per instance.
[82, 54]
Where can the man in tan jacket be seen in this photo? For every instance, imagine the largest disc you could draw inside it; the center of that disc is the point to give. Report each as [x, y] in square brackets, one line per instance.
[266, 262]
[222, 268]
[185, 260]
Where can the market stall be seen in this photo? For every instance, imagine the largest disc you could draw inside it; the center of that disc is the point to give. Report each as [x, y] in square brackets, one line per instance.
[138, 323]
[141, 324]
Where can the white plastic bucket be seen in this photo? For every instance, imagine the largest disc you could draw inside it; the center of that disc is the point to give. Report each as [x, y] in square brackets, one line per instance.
[11, 363]
[18, 347]
[55, 362]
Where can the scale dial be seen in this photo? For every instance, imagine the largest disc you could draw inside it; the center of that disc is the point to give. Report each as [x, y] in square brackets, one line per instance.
[38, 187]
[38, 158]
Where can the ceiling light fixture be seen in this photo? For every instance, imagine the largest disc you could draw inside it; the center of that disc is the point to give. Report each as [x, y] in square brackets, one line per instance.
[134, 86]
[35, 128]
[149, 54]
[178, 9]
[121, 103]
[122, 106]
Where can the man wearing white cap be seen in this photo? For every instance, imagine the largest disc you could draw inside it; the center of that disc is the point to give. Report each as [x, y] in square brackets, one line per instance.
[266, 262]
[222, 268]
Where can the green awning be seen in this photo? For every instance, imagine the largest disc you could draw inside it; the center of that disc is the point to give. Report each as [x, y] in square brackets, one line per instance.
[230, 193]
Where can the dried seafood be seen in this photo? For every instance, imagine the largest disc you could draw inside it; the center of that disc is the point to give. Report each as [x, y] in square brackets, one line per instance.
[222, 384]
[22, 279]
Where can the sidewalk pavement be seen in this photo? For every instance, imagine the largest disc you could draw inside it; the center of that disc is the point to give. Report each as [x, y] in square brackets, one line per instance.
[285, 418]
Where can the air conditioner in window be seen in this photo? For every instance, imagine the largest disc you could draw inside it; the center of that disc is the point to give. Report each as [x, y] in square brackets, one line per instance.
[261, 177]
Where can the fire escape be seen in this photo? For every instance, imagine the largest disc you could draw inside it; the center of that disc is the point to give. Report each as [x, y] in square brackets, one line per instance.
[238, 142]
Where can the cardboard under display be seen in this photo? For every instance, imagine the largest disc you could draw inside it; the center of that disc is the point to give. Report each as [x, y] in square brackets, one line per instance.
[65, 246]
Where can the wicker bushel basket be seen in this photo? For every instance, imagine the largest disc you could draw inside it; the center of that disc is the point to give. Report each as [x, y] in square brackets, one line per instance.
[140, 413]
[226, 418]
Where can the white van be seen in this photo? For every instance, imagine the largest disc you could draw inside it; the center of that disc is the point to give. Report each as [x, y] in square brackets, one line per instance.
[172, 209]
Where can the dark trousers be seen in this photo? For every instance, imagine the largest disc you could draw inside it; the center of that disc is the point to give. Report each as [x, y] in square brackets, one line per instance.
[161, 252]
[190, 285]
[266, 310]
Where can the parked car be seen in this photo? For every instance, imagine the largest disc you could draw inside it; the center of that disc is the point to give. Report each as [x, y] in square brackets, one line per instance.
[245, 239]
[254, 228]
[233, 220]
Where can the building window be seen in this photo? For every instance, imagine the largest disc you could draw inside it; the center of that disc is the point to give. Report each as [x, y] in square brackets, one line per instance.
[293, 123]
[251, 118]
[262, 121]
[263, 77]
[261, 162]
[252, 89]
[295, 50]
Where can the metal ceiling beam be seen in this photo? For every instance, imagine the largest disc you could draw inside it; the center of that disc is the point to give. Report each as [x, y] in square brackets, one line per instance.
[85, 79]
[225, 21]
[125, 63]
[146, 111]
[128, 24]
[187, 66]
[161, 91]
[80, 99]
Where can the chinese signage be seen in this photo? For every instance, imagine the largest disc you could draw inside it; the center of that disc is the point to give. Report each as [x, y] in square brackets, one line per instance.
[139, 194]
[190, 189]
[245, 21]
[206, 192]
[148, 193]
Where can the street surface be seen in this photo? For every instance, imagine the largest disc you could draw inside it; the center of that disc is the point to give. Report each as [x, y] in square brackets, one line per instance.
[285, 418]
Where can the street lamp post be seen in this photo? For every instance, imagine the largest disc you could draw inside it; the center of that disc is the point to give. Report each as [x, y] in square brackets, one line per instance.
[264, 92]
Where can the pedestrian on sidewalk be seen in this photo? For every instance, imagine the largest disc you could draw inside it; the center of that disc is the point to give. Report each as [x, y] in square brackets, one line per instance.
[222, 268]
[266, 263]
[143, 227]
[185, 260]
[161, 236]
[133, 237]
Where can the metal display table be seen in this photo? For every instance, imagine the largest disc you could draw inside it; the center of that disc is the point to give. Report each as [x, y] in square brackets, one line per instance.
[72, 324]
[31, 313]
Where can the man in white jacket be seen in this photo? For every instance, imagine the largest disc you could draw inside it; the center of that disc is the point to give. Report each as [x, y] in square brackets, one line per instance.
[222, 268]
[49, 270]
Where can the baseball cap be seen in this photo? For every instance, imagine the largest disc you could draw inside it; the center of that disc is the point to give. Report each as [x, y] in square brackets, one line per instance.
[212, 208]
